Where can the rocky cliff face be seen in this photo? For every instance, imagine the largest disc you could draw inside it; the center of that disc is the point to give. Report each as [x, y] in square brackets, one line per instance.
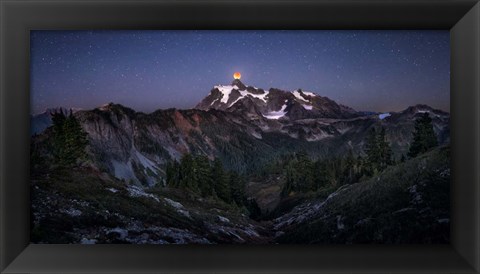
[135, 146]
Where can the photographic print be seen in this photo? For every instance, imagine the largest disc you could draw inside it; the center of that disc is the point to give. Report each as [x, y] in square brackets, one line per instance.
[240, 137]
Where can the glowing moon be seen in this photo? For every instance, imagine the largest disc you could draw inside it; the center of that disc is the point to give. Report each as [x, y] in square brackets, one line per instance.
[237, 75]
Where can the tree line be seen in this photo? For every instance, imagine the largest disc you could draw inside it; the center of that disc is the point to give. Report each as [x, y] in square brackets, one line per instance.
[302, 174]
[209, 179]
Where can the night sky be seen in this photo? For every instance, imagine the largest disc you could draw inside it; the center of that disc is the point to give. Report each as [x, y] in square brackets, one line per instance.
[150, 70]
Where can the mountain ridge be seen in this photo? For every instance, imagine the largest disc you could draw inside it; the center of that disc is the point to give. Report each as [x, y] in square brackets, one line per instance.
[274, 103]
[135, 146]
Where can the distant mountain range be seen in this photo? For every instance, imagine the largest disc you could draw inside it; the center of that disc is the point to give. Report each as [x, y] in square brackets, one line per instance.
[246, 127]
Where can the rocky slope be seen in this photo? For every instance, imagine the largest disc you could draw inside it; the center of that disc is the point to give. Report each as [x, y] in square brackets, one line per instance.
[82, 205]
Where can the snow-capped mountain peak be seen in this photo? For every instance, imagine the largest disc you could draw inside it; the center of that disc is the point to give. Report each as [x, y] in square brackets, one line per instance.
[224, 96]
[257, 103]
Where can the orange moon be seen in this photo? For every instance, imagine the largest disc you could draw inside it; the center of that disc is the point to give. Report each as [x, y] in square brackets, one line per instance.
[237, 75]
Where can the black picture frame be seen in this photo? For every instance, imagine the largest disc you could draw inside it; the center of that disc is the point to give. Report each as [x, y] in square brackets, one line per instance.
[18, 17]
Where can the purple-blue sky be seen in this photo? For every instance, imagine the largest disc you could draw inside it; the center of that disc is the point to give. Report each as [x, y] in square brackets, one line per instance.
[149, 70]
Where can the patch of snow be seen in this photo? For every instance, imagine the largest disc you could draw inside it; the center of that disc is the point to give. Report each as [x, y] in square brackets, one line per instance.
[223, 219]
[276, 114]
[299, 96]
[243, 94]
[307, 107]
[113, 190]
[86, 241]
[136, 191]
[308, 93]
[384, 115]
[225, 90]
[258, 96]
[104, 107]
[213, 102]
[238, 99]
[431, 113]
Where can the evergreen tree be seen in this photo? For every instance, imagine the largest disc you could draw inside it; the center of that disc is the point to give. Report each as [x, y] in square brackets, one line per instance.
[304, 170]
[188, 175]
[290, 180]
[204, 175]
[220, 181]
[379, 151]
[350, 171]
[385, 151]
[424, 137]
[237, 184]
[362, 168]
[320, 174]
[69, 139]
[58, 120]
[173, 174]
[372, 150]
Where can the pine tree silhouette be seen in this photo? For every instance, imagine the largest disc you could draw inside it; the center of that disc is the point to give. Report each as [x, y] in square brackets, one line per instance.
[424, 137]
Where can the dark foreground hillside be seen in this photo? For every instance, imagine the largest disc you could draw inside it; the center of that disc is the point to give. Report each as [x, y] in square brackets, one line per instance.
[406, 203]
[83, 206]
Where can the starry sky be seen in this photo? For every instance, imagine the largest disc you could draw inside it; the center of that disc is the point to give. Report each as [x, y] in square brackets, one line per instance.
[149, 70]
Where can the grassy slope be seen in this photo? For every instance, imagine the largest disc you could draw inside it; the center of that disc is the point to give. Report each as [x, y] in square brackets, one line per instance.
[408, 203]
